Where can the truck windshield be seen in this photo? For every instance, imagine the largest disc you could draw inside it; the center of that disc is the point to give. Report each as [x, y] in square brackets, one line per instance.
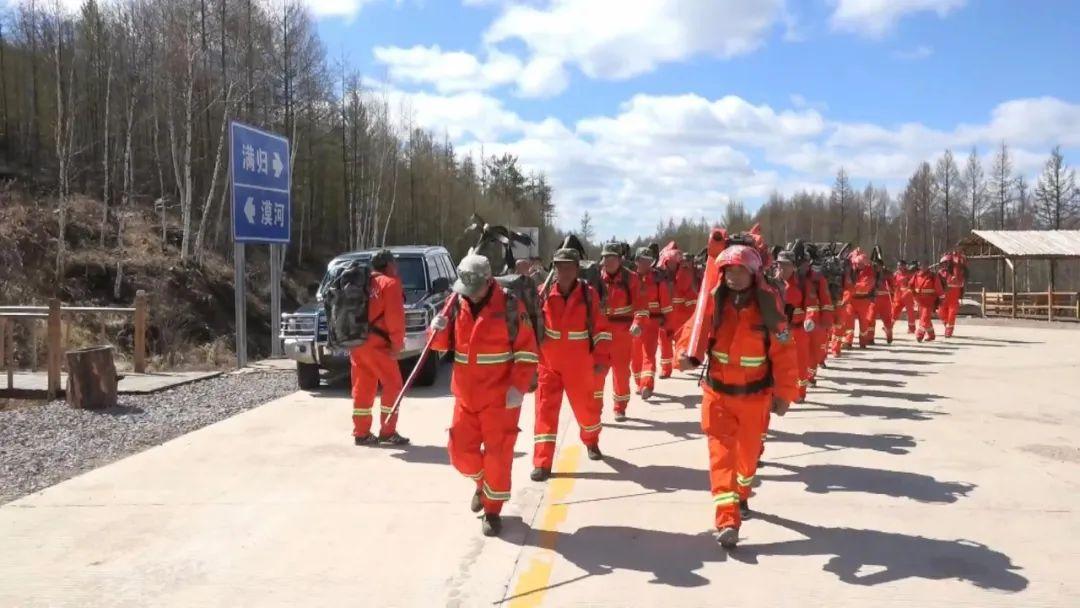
[410, 270]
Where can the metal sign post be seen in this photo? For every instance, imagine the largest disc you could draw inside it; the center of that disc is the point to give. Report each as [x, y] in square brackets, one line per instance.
[261, 182]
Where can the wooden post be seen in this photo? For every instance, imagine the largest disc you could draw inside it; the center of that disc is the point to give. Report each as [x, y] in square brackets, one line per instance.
[140, 332]
[1050, 303]
[91, 381]
[53, 348]
[3, 344]
[1013, 268]
[9, 354]
[1078, 306]
[983, 301]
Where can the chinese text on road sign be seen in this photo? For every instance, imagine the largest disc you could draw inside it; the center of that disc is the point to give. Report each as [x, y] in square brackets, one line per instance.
[261, 184]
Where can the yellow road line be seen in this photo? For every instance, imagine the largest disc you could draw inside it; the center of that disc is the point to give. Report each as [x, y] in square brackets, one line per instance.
[536, 577]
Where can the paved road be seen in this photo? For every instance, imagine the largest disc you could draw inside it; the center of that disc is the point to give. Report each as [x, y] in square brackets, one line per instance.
[917, 475]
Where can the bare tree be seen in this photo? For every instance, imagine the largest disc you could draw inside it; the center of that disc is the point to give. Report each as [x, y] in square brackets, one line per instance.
[841, 198]
[947, 178]
[975, 184]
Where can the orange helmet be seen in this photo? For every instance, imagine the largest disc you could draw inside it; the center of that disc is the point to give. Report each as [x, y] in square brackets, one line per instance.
[739, 255]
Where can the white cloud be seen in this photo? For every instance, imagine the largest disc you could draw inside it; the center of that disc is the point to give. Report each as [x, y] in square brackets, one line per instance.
[336, 8]
[686, 155]
[606, 39]
[920, 52]
[448, 71]
[875, 18]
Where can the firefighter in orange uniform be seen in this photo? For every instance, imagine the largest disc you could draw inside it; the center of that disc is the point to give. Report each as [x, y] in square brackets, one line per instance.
[374, 363]
[844, 326]
[657, 298]
[680, 273]
[575, 348]
[752, 369]
[863, 294]
[801, 304]
[883, 299]
[903, 298]
[625, 314]
[819, 335]
[495, 358]
[952, 275]
[926, 285]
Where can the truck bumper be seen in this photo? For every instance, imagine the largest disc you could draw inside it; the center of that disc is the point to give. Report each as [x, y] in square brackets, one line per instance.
[301, 351]
[306, 351]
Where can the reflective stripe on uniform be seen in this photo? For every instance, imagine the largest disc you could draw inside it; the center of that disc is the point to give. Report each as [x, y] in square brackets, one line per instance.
[751, 361]
[386, 409]
[598, 395]
[551, 333]
[493, 358]
[721, 357]
[678, 300]
[744, 481]
[592, 427]
[647, 374]
[493, 495]
[828, 307]
[667, 309]
[359, 411]
[544, 438]
[621, 398]
[600, 337]
[644, 314]
[726, 498]
[665, 361]
[813, 308]
[798, 311]
[478, 476]
[526, 357]
[625, 310]
[577, 335]
[461, 358]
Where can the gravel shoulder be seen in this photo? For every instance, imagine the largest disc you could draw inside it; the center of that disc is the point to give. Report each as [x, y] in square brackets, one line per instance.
[46, 443]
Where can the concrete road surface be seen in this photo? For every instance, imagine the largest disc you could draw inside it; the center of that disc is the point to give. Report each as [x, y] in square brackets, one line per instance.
[942, 474]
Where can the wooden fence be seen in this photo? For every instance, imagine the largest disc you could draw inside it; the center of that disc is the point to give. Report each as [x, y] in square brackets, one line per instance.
[1048, 305]
[54, 315]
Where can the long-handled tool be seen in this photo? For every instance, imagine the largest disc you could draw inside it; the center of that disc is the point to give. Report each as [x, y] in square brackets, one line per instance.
[423, 356]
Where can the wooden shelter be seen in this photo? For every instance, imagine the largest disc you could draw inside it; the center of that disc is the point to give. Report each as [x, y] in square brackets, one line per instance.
[1012, 246]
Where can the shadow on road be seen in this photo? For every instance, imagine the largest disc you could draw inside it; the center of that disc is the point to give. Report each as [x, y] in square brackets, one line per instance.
[884, 412]
[905, 362]
[426, 454]
[673, 559]
[882, 371]
[657, 478]
[691, 401]
[893, 395]
[683, 429]
[890, 557]
[828, 440]
[826, 478]
[845, 380]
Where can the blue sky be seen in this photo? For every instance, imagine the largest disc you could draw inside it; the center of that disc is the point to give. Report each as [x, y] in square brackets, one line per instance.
[644, 109]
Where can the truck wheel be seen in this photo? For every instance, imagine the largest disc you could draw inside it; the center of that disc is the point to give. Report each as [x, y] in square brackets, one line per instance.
[430, 372]
[307, 376]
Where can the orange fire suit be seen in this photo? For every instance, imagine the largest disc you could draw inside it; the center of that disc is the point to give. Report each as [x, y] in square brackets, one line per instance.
[657, 298]
[863, 294]
[903, 298]
[844, 323]
[801, 302]
[819, 338]
[683, 300]
[953, 283]
[886, 287]
[374, 363]
[486, 365]
[928, 294]
[624, 310]
[569, 353]
[748, 365]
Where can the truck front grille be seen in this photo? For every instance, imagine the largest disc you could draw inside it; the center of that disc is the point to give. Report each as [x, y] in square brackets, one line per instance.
[416, 320]
[298, 326]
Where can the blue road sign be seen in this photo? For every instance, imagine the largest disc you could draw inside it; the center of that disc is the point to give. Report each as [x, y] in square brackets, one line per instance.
[261, 180]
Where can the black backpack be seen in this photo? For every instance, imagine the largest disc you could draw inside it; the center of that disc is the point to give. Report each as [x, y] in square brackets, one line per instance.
[345, 299]
[594, 275]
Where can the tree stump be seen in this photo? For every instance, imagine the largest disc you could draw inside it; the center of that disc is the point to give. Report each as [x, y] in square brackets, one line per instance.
[91, 382]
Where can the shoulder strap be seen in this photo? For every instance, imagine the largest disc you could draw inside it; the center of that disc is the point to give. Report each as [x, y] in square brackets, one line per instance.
[587, 298]
[624, 274]
[512, 319]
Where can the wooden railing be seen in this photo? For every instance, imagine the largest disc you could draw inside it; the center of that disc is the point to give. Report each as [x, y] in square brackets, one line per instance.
[54, 315]
[1049, 305]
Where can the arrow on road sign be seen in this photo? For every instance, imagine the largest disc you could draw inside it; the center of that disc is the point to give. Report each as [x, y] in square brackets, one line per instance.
[278, 165]
[249, 210]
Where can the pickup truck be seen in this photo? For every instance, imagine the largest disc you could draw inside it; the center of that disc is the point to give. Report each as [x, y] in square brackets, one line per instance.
[426, 274]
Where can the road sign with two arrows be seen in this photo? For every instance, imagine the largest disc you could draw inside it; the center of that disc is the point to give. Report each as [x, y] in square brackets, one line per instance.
[259, 163]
